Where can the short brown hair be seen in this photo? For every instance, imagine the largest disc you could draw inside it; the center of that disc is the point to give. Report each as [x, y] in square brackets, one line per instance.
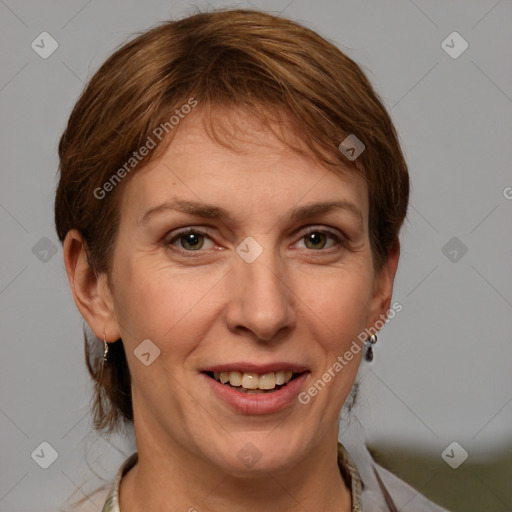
[226, 58]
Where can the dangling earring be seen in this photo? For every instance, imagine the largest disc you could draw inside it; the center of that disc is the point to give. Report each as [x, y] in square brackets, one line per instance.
[369, 351]
[105, 351]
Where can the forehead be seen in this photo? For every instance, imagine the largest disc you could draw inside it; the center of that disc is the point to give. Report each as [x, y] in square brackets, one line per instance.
[238, 162]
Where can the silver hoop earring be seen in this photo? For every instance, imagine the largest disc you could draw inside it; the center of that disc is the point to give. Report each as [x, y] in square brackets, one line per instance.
[369, 350]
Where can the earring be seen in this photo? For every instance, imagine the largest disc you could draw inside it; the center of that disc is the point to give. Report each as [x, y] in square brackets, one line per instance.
[105, 351]
[369, 351]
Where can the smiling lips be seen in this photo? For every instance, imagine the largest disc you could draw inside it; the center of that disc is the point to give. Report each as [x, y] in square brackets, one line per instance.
[254, 379]
[256, 400]
[249, 381]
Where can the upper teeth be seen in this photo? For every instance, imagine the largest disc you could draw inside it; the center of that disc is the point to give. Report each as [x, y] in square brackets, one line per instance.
[253, 380]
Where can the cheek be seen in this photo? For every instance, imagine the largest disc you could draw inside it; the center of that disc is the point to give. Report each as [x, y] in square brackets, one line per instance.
[337, 305]
[158, 302]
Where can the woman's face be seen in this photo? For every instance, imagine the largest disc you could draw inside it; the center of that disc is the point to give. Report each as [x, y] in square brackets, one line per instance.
[231, 265]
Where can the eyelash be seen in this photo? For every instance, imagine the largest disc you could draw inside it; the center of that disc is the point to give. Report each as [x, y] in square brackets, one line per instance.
[341, 241]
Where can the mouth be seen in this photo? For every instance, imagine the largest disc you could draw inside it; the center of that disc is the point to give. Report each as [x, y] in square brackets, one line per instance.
[255, 383]
[259, 389]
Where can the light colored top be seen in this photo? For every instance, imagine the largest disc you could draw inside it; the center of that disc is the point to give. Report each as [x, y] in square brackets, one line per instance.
[373, 488]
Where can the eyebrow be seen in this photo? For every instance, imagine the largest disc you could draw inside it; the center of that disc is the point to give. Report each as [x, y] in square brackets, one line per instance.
[210, 211]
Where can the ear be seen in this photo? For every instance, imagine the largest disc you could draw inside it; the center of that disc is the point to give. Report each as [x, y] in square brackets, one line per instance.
[383, 288]
[90, 290]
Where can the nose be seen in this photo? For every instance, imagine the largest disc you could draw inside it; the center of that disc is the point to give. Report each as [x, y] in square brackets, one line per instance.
[261, 302]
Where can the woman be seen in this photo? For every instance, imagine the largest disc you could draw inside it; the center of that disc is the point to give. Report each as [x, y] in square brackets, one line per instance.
[230, 198]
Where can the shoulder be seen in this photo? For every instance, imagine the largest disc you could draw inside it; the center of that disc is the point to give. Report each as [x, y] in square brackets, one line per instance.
[383, 491]
[403, 495]
[93, 502]
[105, 498]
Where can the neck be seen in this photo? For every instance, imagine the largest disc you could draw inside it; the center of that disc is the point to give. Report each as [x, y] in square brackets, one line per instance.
[175, 479]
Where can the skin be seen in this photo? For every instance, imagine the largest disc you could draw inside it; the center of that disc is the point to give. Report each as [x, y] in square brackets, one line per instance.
[301, 301]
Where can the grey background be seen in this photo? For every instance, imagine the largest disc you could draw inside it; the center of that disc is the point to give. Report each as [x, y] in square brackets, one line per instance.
[442, 369]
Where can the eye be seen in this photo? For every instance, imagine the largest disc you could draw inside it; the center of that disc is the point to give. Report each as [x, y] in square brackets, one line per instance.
[193, 240]
[316, 239]
[190, 240]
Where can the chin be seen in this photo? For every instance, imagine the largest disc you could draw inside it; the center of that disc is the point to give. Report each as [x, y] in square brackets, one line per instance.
[258, 453]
